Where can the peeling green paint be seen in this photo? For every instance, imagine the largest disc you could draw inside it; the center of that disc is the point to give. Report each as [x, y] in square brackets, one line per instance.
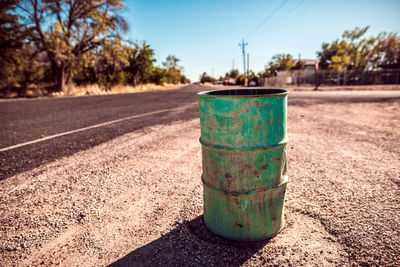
[243, 137]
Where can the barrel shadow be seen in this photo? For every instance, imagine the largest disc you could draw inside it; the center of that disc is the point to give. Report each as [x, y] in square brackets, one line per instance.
[191, 244]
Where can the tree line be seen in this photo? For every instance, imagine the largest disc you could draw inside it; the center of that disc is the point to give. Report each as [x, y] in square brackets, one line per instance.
[353, 52]
[53, 43]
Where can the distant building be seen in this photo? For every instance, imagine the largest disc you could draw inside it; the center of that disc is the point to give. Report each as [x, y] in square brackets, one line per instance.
[309, 64]
[294, 77]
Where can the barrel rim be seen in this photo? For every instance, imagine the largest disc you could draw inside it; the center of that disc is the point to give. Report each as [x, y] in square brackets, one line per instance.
[221, 93]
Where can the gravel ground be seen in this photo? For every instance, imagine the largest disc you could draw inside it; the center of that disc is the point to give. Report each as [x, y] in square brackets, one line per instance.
[137, 199]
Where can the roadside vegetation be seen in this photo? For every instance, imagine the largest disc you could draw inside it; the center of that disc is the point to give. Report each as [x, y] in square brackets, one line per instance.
[57, 46]
[352, 52]
[77, 47]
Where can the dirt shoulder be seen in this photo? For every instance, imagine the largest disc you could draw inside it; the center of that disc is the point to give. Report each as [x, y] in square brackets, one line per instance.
[137, 199]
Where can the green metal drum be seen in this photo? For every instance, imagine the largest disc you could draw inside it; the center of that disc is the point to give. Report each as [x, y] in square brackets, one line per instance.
[243, 137]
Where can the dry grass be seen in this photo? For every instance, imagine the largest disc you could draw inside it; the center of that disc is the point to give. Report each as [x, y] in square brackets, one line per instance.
[94, 89]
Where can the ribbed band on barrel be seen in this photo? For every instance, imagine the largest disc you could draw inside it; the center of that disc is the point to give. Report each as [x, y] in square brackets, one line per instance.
[233, 193]
[278, 145]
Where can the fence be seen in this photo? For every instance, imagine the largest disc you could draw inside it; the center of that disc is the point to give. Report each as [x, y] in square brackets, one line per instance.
[332, 78]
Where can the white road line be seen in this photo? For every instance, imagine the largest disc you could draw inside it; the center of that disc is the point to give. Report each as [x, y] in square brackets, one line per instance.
[90, 127]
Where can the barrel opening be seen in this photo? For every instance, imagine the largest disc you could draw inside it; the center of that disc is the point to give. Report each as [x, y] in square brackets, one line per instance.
[245, 92]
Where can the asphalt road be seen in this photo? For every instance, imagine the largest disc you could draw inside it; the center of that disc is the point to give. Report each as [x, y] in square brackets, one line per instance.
[78, 123]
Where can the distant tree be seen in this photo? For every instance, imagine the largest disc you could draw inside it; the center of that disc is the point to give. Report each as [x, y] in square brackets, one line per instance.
[84, 71]
[335, 56]
[159, 76]
[184, 79]
[22, 65]
[234, 73]
[141, 64]
[174, 71]
[111, 61]
[387, 51]
[47, 43]
[66, 29]
[359, 48]
[300, 65]
[281, 62]
[205, 78]
[171, 62]
[252, 77]
[11, 41]
[240, 80]
[12, 33]
[231, 77]
[352, 52]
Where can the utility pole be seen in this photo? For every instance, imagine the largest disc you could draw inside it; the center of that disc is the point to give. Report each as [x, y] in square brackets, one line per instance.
[233, 64]
[243, 46]
[316, 75]
[248, 64]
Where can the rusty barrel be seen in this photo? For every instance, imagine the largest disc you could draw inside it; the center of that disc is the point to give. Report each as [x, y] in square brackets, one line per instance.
[243, 137]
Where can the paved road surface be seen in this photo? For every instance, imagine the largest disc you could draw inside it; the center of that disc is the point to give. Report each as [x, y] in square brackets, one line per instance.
[83, 122]
[32, 119]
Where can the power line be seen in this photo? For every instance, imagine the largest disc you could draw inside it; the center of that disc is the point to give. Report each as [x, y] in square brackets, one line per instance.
[266, 19]
[293, 10]
[288, 22]
[285, 16]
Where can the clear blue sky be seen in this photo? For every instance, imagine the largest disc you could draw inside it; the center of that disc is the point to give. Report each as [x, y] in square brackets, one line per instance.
[205, 34]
